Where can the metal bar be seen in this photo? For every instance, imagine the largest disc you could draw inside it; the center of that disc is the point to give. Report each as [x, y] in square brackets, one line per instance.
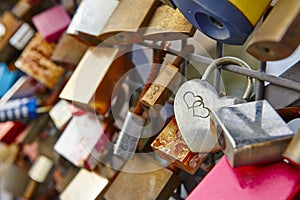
[263, 77]
[260, 85]
[218, 72]
[183, 69]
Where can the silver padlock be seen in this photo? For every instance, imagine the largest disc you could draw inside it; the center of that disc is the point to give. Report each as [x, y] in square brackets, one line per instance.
[250, 133]
[193, 104]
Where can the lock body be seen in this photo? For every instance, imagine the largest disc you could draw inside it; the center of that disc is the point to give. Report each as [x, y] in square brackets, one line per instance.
[52, 23]
[248, 182]
[277, 37]
[227, 21]
[92, 83]
[10, 130]
[250, 133]
[144, 179]
[68, 51]
[168, 24]
[91, 181]
[162, 87]
[35, 61]
[170, 146]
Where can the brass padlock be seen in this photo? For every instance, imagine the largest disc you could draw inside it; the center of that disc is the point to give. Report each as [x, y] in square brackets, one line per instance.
[144, 179]
[166, 81]
[168, 24]
[250, 133]
[170, 146]
[277, 37]
[35, 61]
[92, 89]
[91, 181]
[68, 51]
[125, 25]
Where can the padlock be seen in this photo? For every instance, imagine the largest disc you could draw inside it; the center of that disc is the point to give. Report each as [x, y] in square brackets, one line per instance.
[10, 130]
[170, 146]
[168, 24]
[81, 136]
[277, 37]
[193, 104]
[23, 35]
[90, 18]
[166, 82]
[52, 23]
[248, 182]
[144, 179]
[280, 97]
[125, 25]
[35, 61]
[37, 174]
[228, 21]
[91, 181]
[9, 24]
[250, 133]
[92, 89]
[7, 79]
[21, 8]
[68, 51]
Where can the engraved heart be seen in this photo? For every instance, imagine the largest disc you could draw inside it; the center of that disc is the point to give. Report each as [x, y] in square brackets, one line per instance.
[193, 102]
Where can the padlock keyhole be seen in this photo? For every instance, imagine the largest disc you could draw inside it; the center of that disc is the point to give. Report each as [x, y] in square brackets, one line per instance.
[217, 23]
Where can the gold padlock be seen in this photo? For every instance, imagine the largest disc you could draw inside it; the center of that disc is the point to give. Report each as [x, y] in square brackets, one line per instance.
[166, 81]
[170, 146]
[168, 24]
[144, 179]
[277, 37]
[35, 61]
[92, 83]
[123, 27]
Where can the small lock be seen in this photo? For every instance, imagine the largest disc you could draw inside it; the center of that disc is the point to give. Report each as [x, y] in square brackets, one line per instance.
[277, 37]
[23, 35]
[92, 89]
[251, 133]
[35, 61]
[68, 51]
[93, 183]
[139, 175]
[168, 24]
[125, 25]
[60, 114]
[129, 135]
[227, 21]
[52, 23]
[170, 146]
[81, 136]
[10, 130]
[193, 104]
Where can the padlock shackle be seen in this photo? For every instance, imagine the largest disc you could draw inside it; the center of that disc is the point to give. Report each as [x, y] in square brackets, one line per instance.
[235, 61]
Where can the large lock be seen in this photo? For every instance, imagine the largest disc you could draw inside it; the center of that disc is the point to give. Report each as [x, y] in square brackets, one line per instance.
[277, 37]
[170, 146]
[168, 24]
[250, 133]
[193, 104]
[228, 21]
[144, 179]
[35, 61]
[92, 89]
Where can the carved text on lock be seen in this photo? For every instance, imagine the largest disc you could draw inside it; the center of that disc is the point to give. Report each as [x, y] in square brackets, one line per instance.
[196, 103]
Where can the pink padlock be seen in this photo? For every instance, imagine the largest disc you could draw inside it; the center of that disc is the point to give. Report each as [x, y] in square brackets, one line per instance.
[277, 180]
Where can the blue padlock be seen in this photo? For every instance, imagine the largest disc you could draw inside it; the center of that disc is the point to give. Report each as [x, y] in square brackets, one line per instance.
[227, 21]
[7, 78]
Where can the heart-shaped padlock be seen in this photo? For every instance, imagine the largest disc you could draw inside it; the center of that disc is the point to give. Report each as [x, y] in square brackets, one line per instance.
[194, 101]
